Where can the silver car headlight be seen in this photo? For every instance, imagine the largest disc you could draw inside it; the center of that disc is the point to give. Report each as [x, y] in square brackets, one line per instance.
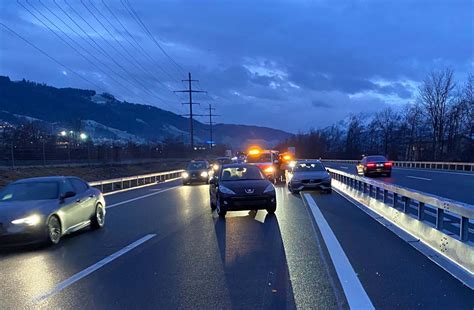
[31, 220]
[185, 175]
[204, 174]
[226, 190]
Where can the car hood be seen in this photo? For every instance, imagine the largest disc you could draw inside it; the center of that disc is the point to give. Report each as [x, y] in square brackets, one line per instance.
[240, 187]
[17, 209]
[311, 175]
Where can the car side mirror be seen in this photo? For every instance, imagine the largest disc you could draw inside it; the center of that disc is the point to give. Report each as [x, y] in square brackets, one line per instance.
[213, 181]
[328, 170]
[68, 195]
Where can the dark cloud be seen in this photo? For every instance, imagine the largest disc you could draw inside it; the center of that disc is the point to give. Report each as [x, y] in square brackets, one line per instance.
[261, 61]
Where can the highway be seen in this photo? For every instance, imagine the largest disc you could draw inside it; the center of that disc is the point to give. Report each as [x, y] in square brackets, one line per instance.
[454, 185]
[163, 248]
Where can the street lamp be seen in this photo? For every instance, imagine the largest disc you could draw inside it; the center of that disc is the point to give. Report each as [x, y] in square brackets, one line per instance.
[83, 136]
[63, 133]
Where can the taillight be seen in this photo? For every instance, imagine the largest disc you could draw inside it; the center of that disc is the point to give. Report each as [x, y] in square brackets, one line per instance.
[388, 164]
[370, 164]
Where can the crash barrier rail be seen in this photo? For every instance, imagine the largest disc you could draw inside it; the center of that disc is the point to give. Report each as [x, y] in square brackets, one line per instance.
[418, 164]
[112, 185]
[447, 232]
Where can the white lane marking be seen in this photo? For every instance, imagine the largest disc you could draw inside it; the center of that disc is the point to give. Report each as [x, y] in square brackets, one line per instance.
[137, 187]
[419, 178]
[435, 171]
[140, 197]
[84, 273]
[353, 289]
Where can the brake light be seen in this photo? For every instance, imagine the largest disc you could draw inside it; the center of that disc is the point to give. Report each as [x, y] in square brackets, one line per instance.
[388, 164]
[370, 164]
[287, 157]
[269, 169]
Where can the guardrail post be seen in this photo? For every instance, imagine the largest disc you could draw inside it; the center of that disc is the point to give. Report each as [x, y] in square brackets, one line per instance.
[113, 187]
[439, 218]
[394, 202]
[376, 193]
[464, 229]
[406, 204]
[421, 211]
[370, 190]
[385, 196]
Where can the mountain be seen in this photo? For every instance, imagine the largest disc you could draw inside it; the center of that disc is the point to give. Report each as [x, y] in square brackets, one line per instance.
[105, 118]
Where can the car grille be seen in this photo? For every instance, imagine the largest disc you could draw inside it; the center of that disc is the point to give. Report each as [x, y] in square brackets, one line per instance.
[249, 201]
[305, 181]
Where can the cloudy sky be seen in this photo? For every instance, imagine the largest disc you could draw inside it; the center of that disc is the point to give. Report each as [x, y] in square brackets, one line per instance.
[289, 64]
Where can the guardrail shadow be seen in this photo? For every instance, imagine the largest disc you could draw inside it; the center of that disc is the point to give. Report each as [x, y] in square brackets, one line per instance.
[254, 261]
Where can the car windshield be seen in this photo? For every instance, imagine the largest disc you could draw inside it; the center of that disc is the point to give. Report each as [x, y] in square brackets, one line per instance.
[262, 158]
[197, 166]
[376, 158]
[242, 173]
[30, 191]
[301, 167]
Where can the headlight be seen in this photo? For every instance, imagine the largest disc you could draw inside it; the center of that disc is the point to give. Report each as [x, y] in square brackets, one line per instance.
[31, 220]
[225, 190]
[185, 175]
[204, 174]
[270, 188]
[292, 164]
[215, 167]
[269, 169]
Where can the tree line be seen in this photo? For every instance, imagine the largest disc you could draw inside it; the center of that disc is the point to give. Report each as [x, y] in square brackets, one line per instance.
[437, 126]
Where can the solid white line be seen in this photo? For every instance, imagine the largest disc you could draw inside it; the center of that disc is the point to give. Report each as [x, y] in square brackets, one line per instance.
[137, 187]
[353, 289]
[140, 197]
[419, 178]
[435, 171]
[78, 276]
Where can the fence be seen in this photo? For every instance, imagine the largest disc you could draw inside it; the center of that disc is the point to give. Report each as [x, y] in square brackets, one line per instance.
[120, 184]
[443, 224]
[417, 164]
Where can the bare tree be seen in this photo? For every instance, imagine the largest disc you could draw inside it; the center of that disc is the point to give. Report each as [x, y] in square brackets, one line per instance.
[387, 122]
[436, 96]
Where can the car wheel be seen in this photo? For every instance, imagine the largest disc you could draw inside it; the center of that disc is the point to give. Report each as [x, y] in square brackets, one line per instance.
[221, 210]
[272, 209]
[295, 192]
[213, 205]
[289, 188]
[329, 191]
[99, 218]
[54, 230]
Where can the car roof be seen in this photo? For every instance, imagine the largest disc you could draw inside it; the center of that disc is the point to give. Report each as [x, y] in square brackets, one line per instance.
[43, 179]
[237, 165]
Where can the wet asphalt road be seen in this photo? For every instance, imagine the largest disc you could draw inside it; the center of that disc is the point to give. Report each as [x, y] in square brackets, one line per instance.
[250, 260]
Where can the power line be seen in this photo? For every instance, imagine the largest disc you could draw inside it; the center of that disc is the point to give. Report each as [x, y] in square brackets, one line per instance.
[211, 123]
[137, 18]
[49, 56]
[190, 91]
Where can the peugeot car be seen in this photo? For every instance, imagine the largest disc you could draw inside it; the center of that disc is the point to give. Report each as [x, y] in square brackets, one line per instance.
[308, 174]
[241, 187]
[45, 209]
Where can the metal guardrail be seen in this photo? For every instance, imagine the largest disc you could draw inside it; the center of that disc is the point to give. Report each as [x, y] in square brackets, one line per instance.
[381, 190]
[117, 184]
[417, 164]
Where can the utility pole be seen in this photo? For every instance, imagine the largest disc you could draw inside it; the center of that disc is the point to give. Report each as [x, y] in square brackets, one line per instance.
[210, 109]
[190, 91]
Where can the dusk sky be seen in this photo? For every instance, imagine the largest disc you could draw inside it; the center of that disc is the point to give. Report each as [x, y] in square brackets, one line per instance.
[291, 65]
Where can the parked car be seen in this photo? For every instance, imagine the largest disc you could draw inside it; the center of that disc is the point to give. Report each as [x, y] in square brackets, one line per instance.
[47, 208]
[241, 187]
[308, 174]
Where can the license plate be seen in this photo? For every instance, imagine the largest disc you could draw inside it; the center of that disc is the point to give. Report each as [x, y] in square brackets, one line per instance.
[379, 165]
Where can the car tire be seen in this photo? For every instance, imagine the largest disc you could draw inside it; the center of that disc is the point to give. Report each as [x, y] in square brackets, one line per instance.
[289, 189]
[329, 191]
[213, 205]
[221, 210]
[98, 221]
[54, 230]
[295, 192]
[272, 209]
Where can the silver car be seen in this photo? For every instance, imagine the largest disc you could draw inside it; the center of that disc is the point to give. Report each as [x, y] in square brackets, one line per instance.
[308, 174]
[47, 208]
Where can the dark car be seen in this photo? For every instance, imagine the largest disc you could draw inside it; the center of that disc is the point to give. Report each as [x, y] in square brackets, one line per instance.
[219, 161]
[196, 171]
[374, 165]
[308, 174]
[47, 208]
[241, 187]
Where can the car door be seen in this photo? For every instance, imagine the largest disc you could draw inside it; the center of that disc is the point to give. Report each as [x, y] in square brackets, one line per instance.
[214, 184]
[85, 198]
[69, 207]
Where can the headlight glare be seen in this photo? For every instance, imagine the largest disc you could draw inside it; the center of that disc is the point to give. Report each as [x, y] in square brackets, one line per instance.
[185, 175]
[204, 174]
[31, 220]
